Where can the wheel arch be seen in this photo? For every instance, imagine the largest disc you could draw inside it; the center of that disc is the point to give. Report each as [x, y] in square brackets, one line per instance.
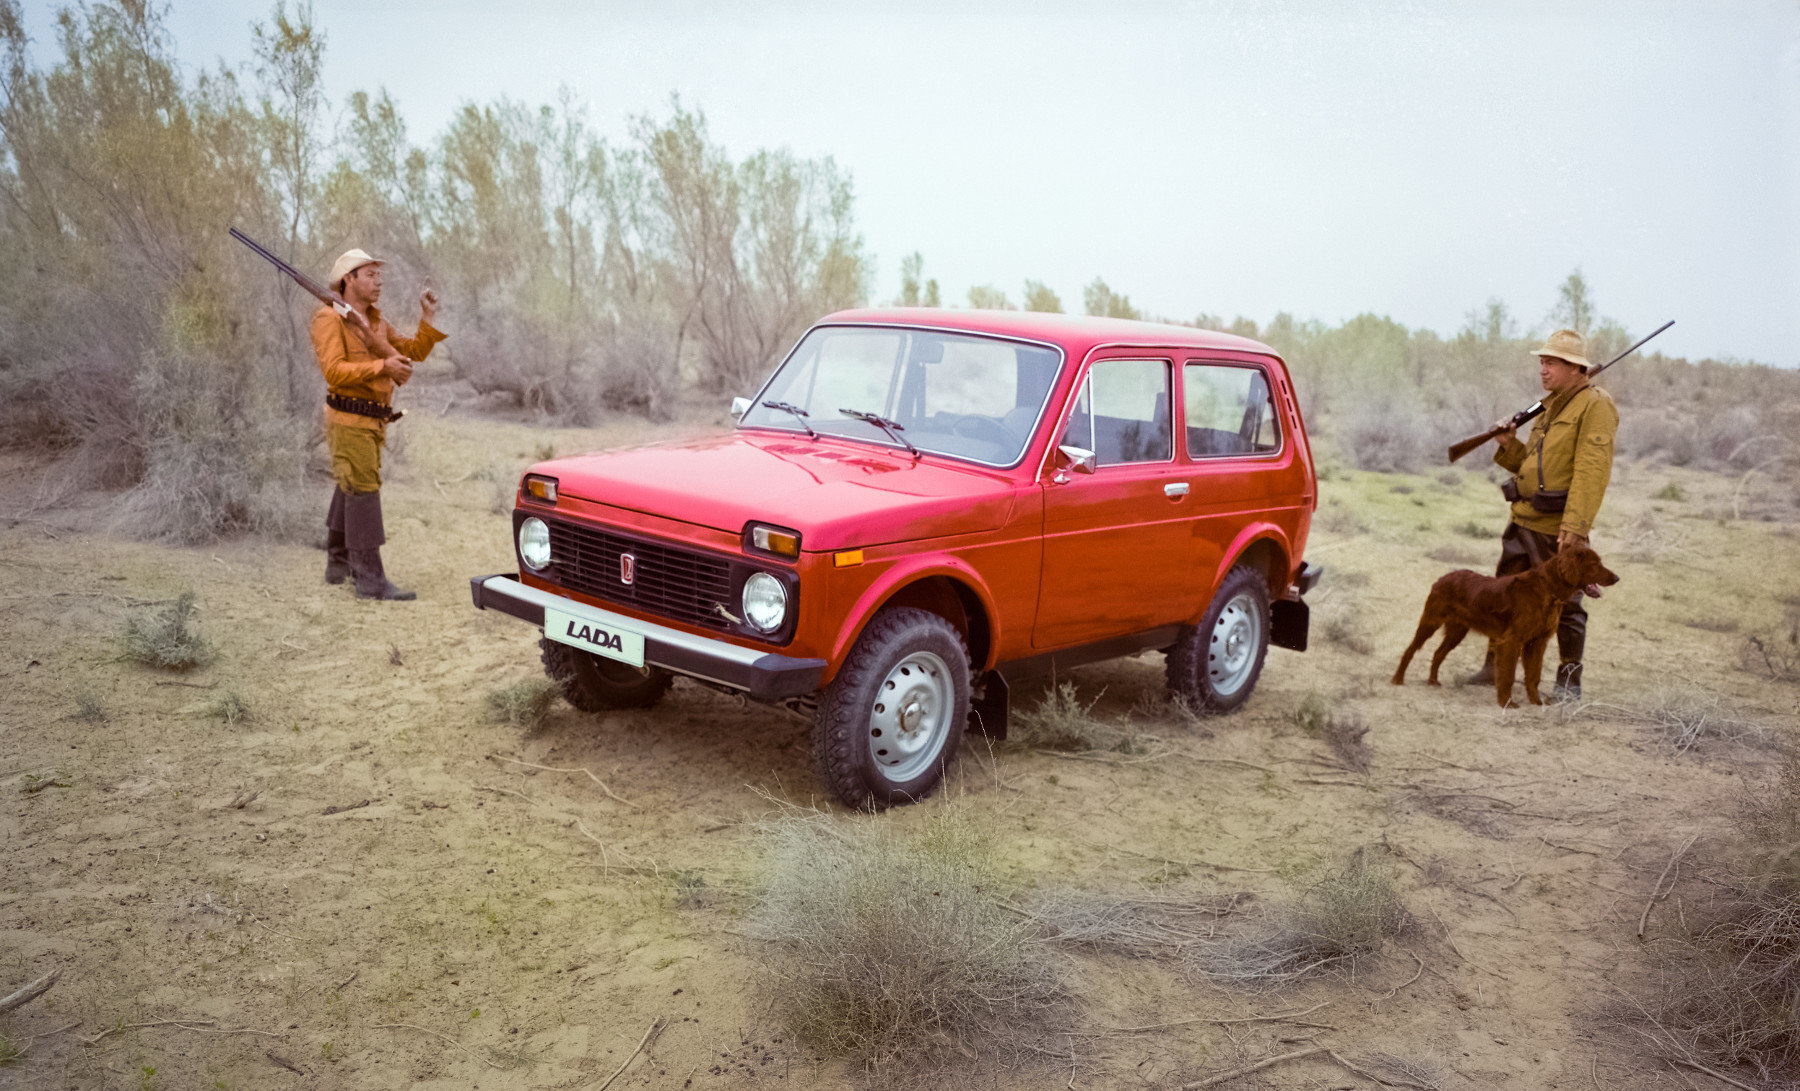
[951, 591]
[1265, 548]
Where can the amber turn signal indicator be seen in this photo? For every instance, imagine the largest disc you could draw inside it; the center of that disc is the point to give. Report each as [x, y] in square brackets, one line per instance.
[849, 558]
[541, 488]
[776, 540]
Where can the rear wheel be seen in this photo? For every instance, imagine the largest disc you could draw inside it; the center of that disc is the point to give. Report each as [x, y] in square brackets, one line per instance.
[1214, 665]
[595, 684]
[890, 722]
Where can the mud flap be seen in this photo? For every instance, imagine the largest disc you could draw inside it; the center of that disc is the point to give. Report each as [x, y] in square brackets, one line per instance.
[988, 711]
[1289, 620]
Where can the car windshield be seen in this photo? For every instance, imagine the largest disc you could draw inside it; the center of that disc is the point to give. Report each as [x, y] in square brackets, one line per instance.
[968, 397]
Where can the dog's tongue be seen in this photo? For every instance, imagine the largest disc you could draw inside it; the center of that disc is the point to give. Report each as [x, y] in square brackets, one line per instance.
[1591, 590]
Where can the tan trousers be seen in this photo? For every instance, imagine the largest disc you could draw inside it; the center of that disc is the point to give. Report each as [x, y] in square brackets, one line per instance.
[355, 457]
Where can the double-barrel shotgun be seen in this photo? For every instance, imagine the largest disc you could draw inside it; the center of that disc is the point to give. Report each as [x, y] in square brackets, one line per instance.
[370, 335]
[1536, 409]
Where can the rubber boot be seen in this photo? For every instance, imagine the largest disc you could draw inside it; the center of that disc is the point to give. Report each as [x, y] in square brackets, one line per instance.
[364, 535]
[1568, 682]
[337, 554]
[1484, 676]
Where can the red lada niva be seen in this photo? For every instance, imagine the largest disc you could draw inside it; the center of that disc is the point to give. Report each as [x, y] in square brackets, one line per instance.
[920, 508]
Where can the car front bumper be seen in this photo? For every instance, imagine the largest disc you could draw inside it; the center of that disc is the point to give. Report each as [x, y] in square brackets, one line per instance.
[764, 676]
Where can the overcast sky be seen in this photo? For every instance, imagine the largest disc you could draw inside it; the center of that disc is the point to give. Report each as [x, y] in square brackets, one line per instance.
[1326, 158]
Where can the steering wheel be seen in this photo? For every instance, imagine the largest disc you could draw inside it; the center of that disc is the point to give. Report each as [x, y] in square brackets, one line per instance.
[983, 428]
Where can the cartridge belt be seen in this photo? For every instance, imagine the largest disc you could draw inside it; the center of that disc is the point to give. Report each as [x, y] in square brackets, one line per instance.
[364, 407]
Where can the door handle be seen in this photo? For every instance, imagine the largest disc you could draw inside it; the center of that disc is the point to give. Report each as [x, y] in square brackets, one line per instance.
[1175, 489]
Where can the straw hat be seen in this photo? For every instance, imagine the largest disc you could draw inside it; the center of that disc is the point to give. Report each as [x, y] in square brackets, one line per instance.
[348, 263]
[1563, 344]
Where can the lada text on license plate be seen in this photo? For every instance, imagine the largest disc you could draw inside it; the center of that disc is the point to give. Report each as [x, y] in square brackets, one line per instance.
[601, 638]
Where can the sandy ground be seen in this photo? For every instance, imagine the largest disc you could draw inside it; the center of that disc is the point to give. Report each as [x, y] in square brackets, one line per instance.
[480, 923]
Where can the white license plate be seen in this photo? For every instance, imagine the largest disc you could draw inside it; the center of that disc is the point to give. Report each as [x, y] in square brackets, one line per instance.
[601, 638]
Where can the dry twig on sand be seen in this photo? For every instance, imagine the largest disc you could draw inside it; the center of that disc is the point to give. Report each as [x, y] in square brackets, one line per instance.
[576, 769]
[31, 992]
[443, 1037]
[1245, 1070]
[657, 1023]
[1657, 893]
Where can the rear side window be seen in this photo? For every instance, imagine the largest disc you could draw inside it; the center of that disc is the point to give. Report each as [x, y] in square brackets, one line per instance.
[1229, 411]
[1122, 412]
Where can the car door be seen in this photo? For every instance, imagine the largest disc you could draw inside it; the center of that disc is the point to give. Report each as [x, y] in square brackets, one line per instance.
[1114, 540]
[1235, 453]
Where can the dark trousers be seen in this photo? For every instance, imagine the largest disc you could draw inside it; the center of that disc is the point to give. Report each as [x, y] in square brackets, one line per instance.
[1521, 549]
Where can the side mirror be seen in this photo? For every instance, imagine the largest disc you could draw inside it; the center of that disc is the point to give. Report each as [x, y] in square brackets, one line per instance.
[1076, 459]
[740, 406]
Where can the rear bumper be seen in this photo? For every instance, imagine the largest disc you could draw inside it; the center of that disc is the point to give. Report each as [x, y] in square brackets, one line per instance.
[764, 676]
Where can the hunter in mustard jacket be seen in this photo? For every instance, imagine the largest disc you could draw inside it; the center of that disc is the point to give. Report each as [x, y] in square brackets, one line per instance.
[363, 358]
[1559, 478]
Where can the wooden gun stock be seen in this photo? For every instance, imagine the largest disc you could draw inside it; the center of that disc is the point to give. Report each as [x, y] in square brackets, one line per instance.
[1457, 450]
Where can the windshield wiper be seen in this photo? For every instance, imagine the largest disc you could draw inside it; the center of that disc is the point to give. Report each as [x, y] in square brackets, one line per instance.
[892, 428]
[799, 415]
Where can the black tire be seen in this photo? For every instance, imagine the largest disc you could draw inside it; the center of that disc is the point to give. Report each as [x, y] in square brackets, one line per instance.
[595, 684]
[1214, 666]
[867, 759]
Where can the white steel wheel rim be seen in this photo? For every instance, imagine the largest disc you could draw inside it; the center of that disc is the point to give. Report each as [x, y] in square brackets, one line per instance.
[909, 719]
[1232, 644]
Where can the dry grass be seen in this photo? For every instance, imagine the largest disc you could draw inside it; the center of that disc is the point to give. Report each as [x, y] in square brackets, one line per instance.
[1774, 654]
[167, 640]
[892, 946]
[231, 707]
[1137, 927]
[1458, 556]
[1728, 980]
[1341, 623]
[1686, 719]
[1345, 916]
[524, 704]
[1310, 717]
[90, 707]
[1059, 721]
[1344, 734]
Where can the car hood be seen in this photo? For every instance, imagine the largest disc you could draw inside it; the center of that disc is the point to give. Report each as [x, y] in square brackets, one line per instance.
[837, 494]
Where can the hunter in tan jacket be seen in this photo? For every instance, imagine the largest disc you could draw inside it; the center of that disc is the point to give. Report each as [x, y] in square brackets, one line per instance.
[1559, 476]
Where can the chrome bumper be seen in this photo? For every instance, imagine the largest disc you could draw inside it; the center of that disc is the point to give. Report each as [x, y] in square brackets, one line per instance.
[764, 676]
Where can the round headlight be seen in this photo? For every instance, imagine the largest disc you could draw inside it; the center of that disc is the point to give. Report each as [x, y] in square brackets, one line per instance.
[534, 543]
[765, 602]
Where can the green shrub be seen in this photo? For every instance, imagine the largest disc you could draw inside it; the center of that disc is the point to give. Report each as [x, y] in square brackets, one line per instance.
[230, 706]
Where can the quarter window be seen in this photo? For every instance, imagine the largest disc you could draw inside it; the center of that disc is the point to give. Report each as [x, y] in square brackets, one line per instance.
[1122, 412]
[1229, 412]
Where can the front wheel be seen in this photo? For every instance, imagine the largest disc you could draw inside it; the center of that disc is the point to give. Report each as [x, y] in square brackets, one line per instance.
[891, 720]
[595, 684]
[1213, 666]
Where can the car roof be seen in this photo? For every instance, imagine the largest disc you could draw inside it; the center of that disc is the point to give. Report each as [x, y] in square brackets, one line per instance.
[1076, 334]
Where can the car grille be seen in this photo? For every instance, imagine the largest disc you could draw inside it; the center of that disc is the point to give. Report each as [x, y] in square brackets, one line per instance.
[676, 583]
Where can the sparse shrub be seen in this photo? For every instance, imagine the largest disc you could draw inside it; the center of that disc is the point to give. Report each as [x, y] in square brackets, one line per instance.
[1388, 433]
[1344, 734]
[1684, 719]
[10, 1049]
[1137, 926]
[167, 640]
[1310, 717]
[1775, 654]
[523, 704]
[1339, 519]
[1060, 721]
[1449, 478]
[891, 945]
[1713, 624]
[230, 706]
[1728, 977]
[1671, 491]
[1346, 915]
[1342, 626]
[89, 707]
[1474, 529]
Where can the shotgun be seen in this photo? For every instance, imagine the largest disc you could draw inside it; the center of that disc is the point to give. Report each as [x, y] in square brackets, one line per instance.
[370, 335]
[1536, 409]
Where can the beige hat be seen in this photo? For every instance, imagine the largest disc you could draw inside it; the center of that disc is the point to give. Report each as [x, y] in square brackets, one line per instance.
[350, 262]
[1563, 344]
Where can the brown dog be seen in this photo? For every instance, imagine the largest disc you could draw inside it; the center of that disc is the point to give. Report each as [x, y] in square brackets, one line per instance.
[1518, 612]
